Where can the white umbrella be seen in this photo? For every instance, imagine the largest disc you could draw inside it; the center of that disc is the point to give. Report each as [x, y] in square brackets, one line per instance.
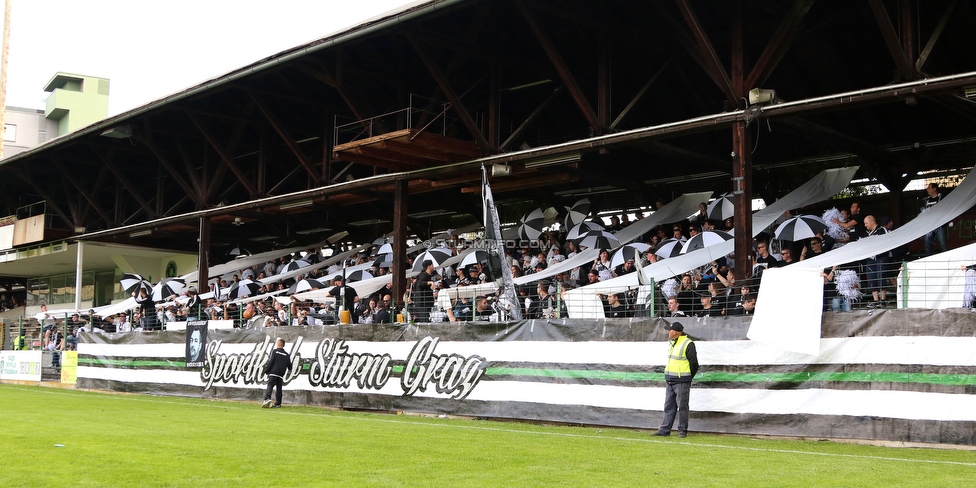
[477, 257]
[359, 275]
[168, 287]
[578, 213]
[437, 256]
[307, 284]
[243, 288]
[385, 249]
[630, 251]
[296, 265]
[799, 228]
[131, 282]
[531, 225]
[383, 261]
[581, 228]
[721, 208]
[598, 239]
[705, 239]
[669, 248]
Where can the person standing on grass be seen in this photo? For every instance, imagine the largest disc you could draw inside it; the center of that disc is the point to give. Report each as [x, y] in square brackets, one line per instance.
[278, 365]
[678, 372]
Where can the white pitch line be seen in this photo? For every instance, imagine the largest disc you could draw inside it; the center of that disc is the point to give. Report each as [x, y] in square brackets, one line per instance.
[237, 406]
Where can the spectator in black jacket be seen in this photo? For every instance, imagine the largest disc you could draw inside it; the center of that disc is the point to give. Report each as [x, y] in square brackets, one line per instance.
[278, 365]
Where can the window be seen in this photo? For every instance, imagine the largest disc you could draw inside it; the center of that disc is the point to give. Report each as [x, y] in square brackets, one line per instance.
[9, 132]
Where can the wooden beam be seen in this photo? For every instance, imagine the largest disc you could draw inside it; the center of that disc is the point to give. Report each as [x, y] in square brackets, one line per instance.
[936, 34]
[448, 91]
[193, 193]
[782, 39]
[562, 69]
[280, 129]
[84, 193]
[226, 158]
[898, 55]
[125, 181]
[713, 66]
[640, 94]
[531, 118]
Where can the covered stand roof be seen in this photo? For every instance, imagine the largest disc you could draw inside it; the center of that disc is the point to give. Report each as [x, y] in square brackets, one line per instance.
[624, 102]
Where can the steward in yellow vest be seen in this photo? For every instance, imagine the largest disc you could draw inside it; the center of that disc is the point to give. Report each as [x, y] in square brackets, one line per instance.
[680, 369]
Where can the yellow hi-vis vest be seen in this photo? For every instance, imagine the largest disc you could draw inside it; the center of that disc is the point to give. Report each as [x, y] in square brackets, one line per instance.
[678, 367]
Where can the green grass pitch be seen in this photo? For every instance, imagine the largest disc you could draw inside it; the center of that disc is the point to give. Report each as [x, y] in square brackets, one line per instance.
[56, 437]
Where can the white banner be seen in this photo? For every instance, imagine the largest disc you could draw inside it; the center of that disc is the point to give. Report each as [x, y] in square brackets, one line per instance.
[20, 365]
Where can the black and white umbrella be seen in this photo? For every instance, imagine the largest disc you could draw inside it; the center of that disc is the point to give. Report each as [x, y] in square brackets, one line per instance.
[598, 239]
[244, 288]
[386, 248]
[581, 228]
[383, 261]
[296, 265]
[799, 228]
[437, 256]
[131, 282]
[669, 248]
[379, 241]
[168, 287]
[312, 257]
[238, 251]
[307, 284]
[477, 257]
[577, 213]
[532, 224]
[629, 251]
[721, 208]
[705, 239]
[358, 275]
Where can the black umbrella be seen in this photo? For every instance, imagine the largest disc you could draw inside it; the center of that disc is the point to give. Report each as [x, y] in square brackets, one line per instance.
[131, 282]
[296, 265]
[577, 231]
[244, 288]
[437, 256]
[629, 251]
[799, 228]
[168, 287]
[307, 284]
[721, 208]
[531, 225]
[705, 239]
[238, 251]
[383, 261]
[578, 213]
[669, 248]
[598, 239]
[358, 275]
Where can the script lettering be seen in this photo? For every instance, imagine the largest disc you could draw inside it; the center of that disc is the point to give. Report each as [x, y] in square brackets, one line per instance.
[451, 374]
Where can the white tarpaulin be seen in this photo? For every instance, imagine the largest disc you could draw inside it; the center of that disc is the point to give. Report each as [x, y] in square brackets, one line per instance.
[675, 211]
[781, 316]
[581, 301]
[962, 198]
[936, 281]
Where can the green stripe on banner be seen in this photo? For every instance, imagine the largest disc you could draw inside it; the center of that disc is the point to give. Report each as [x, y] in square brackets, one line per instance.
[936, 379]
[125, 362]
[576, 373]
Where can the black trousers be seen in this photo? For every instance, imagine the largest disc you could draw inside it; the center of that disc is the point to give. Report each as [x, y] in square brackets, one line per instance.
[274, 381]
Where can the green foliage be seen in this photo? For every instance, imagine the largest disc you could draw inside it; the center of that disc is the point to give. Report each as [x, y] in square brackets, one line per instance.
[137, 440]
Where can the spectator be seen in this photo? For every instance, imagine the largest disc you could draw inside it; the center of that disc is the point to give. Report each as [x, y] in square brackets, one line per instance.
[939, 234]
[876, 266]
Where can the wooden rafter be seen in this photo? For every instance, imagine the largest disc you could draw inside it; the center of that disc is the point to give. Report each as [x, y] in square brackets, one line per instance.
[449, 92]
[898, 55]
[289, 141]
[562, 69]
[782, 39]
[226, 158]
[713, 66]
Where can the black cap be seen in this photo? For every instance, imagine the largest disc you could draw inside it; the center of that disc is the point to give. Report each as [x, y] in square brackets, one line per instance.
[676, 326]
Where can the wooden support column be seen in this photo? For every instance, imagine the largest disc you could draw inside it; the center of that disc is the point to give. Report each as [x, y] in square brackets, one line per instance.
[400, 195]
[742, 198]
[203, 256]
[741, 162]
